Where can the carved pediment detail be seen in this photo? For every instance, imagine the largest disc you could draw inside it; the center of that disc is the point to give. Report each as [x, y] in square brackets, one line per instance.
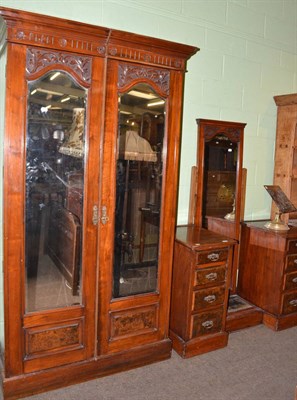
[74, 44]
[232, 133]
[128, 73]
[145, 56]
[38, 59]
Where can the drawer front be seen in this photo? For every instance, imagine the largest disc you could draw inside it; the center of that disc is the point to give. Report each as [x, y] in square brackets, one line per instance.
[291, 281]
[289, 303]
[208, 297]
[291, 263]
[292, 246]
[212, 256]
[210, 275]
[206, 323]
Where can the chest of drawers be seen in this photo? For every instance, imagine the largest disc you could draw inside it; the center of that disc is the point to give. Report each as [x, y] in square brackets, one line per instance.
[268, 273]
[201, 278]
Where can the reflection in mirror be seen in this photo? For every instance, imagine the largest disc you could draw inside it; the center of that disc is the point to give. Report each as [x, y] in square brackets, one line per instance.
[220, 178]
[54, 191]
[138, 191]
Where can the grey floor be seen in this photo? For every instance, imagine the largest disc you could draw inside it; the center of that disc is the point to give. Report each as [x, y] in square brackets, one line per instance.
[257, 364]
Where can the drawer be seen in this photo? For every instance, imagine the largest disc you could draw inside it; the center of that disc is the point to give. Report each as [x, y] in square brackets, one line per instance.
[291, 263]
[210, 275]
[208, 297]
[212, 256]
[207, 322]
[289, 303]
[292, 246]
[290, 281]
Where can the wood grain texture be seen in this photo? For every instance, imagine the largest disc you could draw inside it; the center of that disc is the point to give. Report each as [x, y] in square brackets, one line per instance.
[199, 304]
[265, 279]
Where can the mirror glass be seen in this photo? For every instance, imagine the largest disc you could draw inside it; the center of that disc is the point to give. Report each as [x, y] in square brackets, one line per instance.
[219, 178]
[54, 191]
[138, 191]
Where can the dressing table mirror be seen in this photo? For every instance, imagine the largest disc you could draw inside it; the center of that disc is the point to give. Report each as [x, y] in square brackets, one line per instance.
[217, 200]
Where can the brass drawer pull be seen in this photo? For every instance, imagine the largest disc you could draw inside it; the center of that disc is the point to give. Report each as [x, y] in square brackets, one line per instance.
[212, 276]
[210, 299]
[295, 261]
[294, 280]
[207, 324]
[213, 256]
[293, 303]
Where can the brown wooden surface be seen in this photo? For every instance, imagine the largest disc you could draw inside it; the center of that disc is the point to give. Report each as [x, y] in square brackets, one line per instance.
[285, 172]
[122, 333]
[263, 275]
[198, 303]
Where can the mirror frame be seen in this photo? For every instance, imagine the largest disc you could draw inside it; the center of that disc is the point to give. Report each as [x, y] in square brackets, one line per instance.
[207, 130]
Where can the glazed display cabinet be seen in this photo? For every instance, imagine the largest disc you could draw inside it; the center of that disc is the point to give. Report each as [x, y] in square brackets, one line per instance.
[91, 152]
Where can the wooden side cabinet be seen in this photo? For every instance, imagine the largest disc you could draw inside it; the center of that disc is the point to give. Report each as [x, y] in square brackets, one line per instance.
[88, 155]
[201, 278]
[268, 273]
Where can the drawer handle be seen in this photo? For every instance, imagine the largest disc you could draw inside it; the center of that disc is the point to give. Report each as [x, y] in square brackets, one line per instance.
[294, 280]
[207, 324]
[212, 276]
[210, 299]
[293, 303]
[213, 256]
[295, 261]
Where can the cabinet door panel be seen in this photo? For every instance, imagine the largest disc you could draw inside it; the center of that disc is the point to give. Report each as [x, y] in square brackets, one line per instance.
[56, 140]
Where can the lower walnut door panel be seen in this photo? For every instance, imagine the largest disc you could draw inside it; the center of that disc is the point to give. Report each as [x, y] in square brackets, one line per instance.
[53, 343]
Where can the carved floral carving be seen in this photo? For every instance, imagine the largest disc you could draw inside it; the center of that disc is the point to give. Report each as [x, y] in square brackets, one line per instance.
[232, 133]
[39, 59]
[129, 73]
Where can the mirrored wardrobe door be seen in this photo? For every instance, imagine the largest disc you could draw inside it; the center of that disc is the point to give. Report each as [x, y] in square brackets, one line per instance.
[59, 197]
[139, 170]
[55, 159]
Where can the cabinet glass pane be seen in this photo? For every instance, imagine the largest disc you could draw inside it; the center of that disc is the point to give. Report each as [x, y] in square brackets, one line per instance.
[138, 191]
[220, 178]
[54, 191]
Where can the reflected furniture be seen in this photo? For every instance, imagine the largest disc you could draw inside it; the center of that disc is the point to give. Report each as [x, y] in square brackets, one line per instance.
[268, 272]
[91, 143]
[200, 290]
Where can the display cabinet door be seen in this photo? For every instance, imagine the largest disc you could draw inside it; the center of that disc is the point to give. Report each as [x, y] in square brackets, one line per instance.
[54, 238]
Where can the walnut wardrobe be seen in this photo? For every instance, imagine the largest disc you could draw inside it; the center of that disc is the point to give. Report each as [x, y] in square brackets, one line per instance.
[91, 154]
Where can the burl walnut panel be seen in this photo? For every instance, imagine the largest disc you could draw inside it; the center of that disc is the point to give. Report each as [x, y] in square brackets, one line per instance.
[133, 322]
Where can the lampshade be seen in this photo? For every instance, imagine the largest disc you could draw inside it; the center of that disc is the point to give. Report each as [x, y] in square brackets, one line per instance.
[134, 147]
[74, 145]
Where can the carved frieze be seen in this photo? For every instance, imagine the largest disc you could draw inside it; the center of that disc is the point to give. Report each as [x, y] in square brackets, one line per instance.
[128, 73]
[145, 56]
[38, 59]
[233, 134]
[45, 39]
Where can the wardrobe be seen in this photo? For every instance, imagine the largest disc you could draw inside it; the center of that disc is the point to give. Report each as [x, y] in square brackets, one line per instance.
[91, 156]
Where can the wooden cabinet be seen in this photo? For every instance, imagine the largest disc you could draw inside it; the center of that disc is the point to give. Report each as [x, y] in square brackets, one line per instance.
[200, 289]
[285, 160]
[268, 273]
[88, 157]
